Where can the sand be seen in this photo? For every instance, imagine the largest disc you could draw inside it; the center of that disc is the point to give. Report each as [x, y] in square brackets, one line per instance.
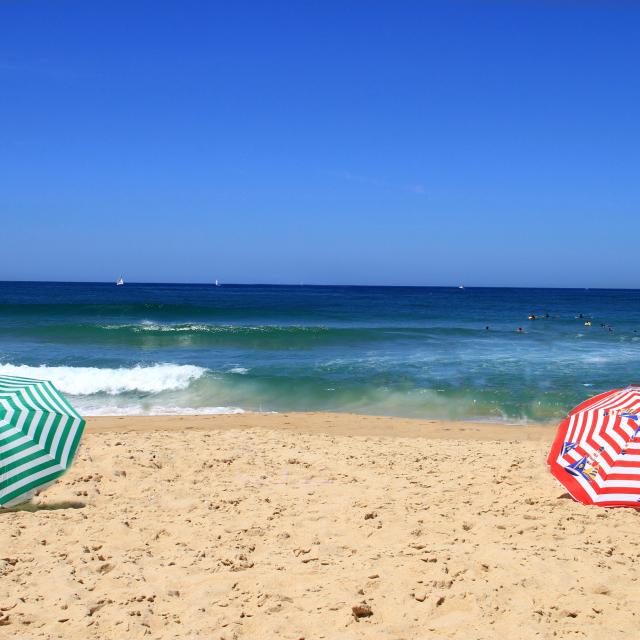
[278, 526]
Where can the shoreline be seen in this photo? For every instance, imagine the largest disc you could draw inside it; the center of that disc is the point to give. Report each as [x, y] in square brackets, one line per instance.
[326, 423]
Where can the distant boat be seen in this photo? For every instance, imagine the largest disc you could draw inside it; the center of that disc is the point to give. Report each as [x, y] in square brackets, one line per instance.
[461, 286]
[119, 281]
[216, 283]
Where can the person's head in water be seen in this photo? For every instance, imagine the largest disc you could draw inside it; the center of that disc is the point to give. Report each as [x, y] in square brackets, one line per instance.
[519, 330]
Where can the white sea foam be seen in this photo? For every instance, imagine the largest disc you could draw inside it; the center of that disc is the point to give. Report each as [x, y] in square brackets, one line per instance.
[136, 409]
[147, 325]
[152, 326]
[240, 370]
[82, 381]
[158, 327]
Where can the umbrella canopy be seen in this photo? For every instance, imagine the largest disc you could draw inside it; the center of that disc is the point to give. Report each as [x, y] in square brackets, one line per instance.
[39, 434]
[596, 453]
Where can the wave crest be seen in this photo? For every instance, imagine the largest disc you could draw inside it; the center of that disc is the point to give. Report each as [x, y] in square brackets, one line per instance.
[147, 326]
[84, 381]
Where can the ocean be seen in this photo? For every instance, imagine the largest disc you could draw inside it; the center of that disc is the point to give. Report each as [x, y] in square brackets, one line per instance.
[404, 351]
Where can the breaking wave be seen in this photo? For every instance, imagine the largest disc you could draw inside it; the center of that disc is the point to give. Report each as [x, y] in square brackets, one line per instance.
[83, 381]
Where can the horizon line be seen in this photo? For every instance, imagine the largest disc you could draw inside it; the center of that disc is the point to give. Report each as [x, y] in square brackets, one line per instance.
[311, 284]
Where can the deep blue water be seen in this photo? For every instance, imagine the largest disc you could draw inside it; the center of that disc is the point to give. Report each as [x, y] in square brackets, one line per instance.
[424, 352]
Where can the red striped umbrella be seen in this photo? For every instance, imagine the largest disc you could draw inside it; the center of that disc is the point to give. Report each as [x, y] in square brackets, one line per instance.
[596, 453]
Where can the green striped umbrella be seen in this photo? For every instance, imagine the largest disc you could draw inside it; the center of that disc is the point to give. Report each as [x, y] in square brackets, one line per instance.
[39, 434]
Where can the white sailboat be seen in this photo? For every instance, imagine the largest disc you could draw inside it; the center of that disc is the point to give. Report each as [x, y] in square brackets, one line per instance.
[461, 286]
[119, 281]
[217, 284]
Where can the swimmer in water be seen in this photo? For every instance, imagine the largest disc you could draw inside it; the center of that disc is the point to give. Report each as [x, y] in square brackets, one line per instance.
[587, 323]
[519, 330]
[532, 316]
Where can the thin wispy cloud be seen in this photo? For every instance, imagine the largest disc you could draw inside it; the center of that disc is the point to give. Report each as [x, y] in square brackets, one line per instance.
[416, 188]
[41, 68]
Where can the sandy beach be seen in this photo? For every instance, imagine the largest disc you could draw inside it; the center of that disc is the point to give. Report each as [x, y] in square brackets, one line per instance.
[314, 526]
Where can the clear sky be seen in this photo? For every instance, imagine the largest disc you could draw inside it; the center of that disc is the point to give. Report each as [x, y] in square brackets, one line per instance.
[351, 141]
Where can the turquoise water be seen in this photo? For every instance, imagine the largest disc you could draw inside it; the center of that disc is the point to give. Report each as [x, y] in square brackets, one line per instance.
[419, 352]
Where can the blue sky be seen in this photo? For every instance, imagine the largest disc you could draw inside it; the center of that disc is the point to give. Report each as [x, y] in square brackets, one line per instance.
[484, 142]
